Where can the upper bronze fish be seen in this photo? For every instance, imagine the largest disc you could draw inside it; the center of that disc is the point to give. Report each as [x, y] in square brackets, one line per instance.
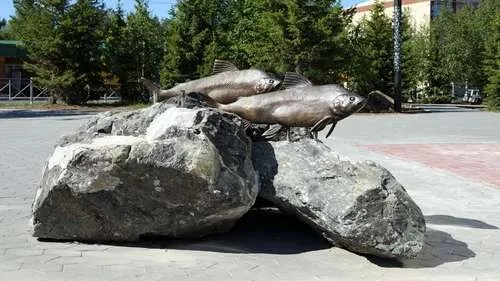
[226, 85]
[300, 105]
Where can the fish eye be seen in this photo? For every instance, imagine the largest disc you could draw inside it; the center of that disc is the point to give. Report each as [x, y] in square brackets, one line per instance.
[271, 81]
[351, 99]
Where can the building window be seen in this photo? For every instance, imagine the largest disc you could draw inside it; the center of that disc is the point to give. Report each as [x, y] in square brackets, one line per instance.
[435, 8]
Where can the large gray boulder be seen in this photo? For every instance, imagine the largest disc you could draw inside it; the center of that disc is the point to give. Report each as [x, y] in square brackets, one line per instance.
[163, 170]
[358, 206]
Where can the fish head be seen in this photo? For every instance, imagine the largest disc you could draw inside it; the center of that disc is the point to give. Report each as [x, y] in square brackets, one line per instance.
[265, 85]
[347, 104]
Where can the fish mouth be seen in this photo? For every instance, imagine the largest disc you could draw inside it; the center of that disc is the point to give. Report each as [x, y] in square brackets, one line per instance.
[276, 84]
[361, 105]
[356, 107]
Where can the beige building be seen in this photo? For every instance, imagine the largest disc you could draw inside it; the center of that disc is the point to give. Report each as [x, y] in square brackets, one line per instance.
[421, 11]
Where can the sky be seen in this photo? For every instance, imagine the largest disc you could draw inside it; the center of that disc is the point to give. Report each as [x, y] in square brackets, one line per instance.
[160, 8]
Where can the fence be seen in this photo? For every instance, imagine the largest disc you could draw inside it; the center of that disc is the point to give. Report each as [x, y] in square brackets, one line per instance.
[27, 90]
[106, 96]
[21, 89]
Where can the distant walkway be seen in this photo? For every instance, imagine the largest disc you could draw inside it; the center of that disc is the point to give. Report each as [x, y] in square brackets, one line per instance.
[29, 113]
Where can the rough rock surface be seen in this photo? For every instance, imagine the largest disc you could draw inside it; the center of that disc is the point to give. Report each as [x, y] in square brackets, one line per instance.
[358, 206]
[162, 170]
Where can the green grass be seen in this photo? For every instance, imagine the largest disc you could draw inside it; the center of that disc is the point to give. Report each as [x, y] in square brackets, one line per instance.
[22, 104]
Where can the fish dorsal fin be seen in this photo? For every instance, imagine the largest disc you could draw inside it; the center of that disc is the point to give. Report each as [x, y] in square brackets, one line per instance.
[223, 66]
[295, 80]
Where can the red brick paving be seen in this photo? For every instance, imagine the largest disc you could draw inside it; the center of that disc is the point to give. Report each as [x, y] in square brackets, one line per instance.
[479, 162]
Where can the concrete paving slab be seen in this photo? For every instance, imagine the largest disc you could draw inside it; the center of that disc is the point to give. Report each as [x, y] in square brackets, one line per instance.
[462, 211]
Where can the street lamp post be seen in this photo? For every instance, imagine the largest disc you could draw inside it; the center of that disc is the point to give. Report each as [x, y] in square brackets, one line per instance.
[397, 55]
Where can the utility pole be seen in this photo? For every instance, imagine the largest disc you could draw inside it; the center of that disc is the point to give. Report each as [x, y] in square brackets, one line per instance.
[397, 55]
[143, 57]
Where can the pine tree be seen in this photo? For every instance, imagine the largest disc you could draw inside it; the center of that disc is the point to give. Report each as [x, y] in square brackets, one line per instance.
[6, 30]
[35, 24]
[372, 45]
[276, 36]
[82, 35]
[192, 40]
[115, 51]
[141, 49]
[315, 34]
[302, 36]
[63, 42]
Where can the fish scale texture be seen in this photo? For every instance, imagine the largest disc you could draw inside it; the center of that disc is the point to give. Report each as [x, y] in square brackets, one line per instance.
[159, 171]
[358, 206]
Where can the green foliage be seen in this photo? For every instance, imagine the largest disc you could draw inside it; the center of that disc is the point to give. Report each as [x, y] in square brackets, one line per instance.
[82, 34]
[6, 32]
[82, 48]
[441, 98]
[63, 43]
[372, 45]
[192, 40]
[459, 47]
[140, 49]
[76, 45]
[259, 37]
[303, 36]
[35, 24]
[492, 63]
[115, 52]
[279, 36]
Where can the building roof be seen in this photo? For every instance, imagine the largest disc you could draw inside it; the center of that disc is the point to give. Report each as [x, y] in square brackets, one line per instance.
[11, 48]
[371, 2]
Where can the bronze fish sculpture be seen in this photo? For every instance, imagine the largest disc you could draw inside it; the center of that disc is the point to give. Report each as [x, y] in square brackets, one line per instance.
[226, 85]
[300, 105]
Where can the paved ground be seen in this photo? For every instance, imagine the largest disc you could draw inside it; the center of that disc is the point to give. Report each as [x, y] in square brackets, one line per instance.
[448, 162]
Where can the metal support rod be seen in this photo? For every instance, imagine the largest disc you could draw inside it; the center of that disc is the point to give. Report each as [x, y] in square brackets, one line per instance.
[397, 55]
[10, 91]
[31, 90]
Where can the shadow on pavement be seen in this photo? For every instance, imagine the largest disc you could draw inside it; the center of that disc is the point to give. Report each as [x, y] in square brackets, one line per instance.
[439, 248]
[445, 110]
[450, 220]
[9, 114]
[259, 231]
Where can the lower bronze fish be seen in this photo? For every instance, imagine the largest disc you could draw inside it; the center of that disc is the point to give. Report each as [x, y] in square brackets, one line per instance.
[305, 106]
[226, 85]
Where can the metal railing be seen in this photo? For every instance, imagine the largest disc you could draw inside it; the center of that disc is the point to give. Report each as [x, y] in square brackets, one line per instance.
[12, 89]
[107, 96]
[21, 89]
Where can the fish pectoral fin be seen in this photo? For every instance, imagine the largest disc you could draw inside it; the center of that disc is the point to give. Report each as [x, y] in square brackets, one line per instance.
[246, 124]
[321, 124]
[295, 80]
[273, 130]
[331, 129]
[223, 66]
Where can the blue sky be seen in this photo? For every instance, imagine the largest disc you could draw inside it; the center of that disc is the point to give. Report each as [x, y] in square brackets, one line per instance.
[160, 8]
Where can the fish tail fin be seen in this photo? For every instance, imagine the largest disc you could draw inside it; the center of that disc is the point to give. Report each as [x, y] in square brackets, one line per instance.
[149, 85]
[166, 94]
